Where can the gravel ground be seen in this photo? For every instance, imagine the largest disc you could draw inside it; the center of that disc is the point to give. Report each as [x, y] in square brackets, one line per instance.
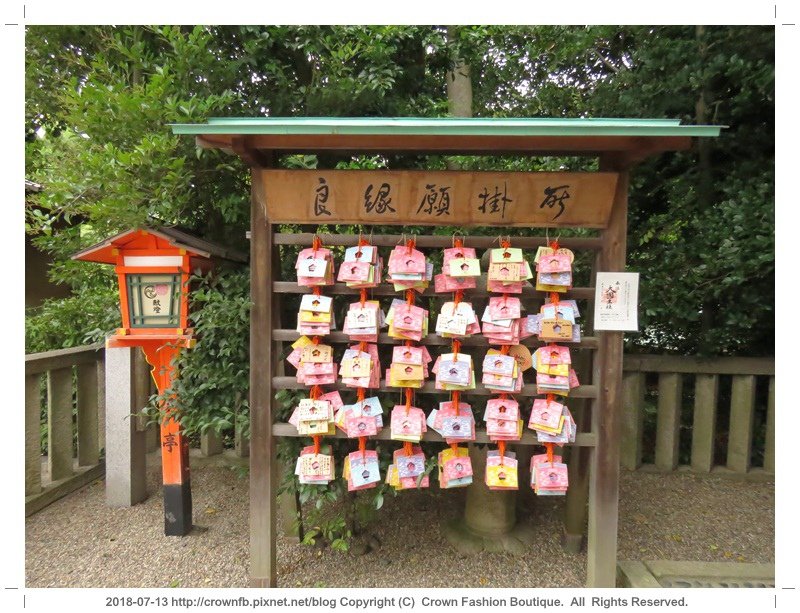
[79, 542]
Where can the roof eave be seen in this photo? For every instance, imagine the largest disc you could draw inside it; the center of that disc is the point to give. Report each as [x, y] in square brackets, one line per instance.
[172, 236]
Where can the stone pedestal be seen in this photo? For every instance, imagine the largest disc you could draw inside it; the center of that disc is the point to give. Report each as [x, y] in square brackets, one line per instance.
[125, 444]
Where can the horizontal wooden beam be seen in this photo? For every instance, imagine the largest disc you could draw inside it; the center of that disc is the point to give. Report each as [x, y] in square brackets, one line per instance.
[691, 364]
[582, 439]
[291, 383]
[391, 240]
[36, 363]
[587, 342]
[465, 145]
[438, 197]
[289, 287]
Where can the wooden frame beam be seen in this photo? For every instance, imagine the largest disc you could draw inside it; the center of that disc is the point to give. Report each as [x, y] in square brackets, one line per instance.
[263, 473]
[600, 443]
[635, 148]
[251, 156]
[607, 409]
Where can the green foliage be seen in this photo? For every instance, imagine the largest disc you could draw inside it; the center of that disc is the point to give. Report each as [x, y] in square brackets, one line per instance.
[73, 321]
[335, 70]
[705, 216]
[105, 157]
[212, 389]
[330, 513]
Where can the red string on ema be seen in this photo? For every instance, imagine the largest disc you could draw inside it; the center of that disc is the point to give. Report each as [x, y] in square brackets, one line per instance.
[409, 272]
[455, 371]
[550, 418]
[503, 325]
[314, 416]
[360, 367]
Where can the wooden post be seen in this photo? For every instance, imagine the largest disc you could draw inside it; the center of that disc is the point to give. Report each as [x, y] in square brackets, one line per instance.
[668, 420]
[769, 447]
[606, 414]
[152, 438]
[263, 473]
[706, 388]
[59, 423]
[740, 431]
[174, 446]
[633, 385]
[152, 435]
[33, 435]
[88, 447]
[142, 386]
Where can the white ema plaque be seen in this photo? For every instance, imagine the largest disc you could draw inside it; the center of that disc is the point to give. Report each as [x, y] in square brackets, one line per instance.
[616, 301]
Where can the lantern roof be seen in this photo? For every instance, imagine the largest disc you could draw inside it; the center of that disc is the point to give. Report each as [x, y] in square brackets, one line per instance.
[105, 252]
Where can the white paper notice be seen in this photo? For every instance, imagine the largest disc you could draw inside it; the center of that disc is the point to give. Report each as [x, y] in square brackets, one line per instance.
[616, 301]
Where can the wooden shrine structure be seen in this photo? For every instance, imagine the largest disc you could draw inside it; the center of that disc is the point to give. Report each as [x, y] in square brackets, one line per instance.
[596, 200]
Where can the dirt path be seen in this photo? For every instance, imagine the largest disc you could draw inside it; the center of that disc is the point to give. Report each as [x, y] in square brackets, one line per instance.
[79, 542]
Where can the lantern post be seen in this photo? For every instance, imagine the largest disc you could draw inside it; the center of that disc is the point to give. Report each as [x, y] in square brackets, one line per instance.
[153, 270]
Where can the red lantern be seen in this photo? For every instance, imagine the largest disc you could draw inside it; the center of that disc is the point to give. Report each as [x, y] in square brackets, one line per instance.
[153, 271]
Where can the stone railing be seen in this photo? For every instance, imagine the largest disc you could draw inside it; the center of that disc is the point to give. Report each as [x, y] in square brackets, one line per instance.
[714, 415]
[64, 397]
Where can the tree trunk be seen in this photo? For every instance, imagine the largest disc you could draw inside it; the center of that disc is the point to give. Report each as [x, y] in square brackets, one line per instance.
[705, 184]
[487, 513]
[459, 84]
[459, 89]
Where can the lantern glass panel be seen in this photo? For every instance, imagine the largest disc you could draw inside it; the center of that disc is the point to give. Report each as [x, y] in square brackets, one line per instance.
[154, 300]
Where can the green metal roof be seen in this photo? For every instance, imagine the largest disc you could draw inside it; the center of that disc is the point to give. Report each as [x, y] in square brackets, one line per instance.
[446, 126]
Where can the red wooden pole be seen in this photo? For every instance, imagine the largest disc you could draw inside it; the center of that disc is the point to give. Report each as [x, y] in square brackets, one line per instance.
[174, 446]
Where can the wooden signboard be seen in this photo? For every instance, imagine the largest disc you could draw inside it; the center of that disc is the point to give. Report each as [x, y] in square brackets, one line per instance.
[544, 199]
